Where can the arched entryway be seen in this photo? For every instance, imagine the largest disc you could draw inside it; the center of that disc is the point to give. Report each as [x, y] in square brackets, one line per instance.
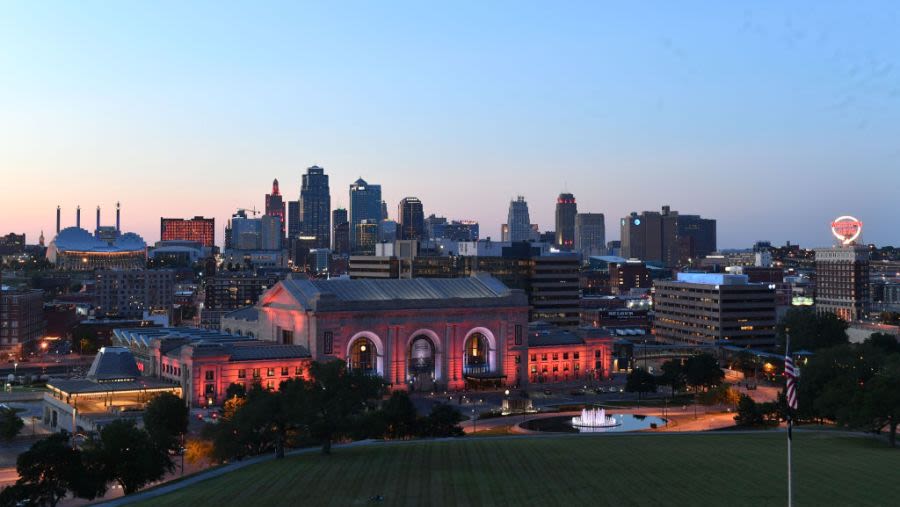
[422, 363]
[475, 354]
[365, 353]
[480, 365]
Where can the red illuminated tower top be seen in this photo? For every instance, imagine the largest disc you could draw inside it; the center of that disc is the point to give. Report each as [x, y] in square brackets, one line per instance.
[275, 187]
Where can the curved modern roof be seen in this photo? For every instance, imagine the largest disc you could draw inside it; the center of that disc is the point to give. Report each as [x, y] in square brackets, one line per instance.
[80, 240]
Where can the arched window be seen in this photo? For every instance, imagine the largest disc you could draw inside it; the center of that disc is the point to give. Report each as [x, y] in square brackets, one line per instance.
[476, 353]
[421, 355]
[362, 355]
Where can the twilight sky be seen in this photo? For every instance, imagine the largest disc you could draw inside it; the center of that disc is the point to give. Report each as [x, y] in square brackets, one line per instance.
[772, 119]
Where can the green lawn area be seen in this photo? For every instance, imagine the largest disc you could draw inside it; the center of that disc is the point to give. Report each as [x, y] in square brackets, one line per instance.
[712, 469]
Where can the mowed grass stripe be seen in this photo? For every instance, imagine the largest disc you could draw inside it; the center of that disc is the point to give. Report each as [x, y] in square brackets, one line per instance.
[733, 469]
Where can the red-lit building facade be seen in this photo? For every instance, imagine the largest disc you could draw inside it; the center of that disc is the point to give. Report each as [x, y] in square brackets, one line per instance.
[205, 363]
[199, 229]
[421, 334]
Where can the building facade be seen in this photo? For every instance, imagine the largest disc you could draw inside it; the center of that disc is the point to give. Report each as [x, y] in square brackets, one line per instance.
[22, 321]
[518, 221]
[275, 207]
[411, 217]
[315, 207]
[700, 308]
[842, 281]
[341, 235]
[566, 211]
[365, 204]
[129, 293]
[590, 234]
[199, 229]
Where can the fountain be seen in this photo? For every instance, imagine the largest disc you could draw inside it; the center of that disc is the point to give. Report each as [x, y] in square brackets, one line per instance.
[594, 418]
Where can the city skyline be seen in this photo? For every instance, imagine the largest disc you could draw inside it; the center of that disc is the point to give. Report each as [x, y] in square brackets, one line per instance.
[756, 118]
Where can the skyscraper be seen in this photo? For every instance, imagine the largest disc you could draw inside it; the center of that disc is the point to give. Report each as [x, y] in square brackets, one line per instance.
[365, 204]
[411, 218]
[340, 244]
[293, 226]
[842, 281]
[518, 221]
[667, 237]
[315, 207]
[566, 209]
[590, 234]
[275, 205]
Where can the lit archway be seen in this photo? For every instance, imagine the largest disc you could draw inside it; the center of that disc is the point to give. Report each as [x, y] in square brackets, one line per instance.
[479, 351]
[365, 352]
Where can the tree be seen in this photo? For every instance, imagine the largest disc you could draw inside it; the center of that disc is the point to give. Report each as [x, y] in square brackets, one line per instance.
[879, 402]
[129, 455]
[399, 416]
[640, 381]
[811, 331]
[47, 469]
[672, 375]
[443, 421]
[337, 395]
[166, 419]
[747, 412]
[884, 341]
[235, 390]
[703, 371]
[10, 423]
[198, 451]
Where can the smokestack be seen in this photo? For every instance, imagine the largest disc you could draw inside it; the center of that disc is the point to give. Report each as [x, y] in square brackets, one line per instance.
[98, 219]
[118, 215]
[78, 216]
[57, 219]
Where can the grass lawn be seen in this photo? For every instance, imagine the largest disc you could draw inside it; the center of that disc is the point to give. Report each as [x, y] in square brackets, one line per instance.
[711, 469]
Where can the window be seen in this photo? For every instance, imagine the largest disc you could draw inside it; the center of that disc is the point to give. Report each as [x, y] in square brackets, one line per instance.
[518, 332]
[328, 344]
[518, 359]
[287, 337]
[533, 369]
[210, 375]
[575, 355]
[533, 357]
[242, 373]
[556, 356]
[577, 366]
[284, 371]
[565, 366]
[596, 354]
[555, 368]
[544, 368]
[270, 372]
[270, 385]
[543, 357]
[298, 371]
[565, 355]
[255, 372]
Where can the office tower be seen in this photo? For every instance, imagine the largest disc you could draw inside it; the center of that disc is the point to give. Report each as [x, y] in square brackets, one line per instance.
[293, 226]
[384, 210]
[518, 222]
[271, 233]
[365, 204]
[244, 233]
[275, 205]
[590, 234]
[842, 281]
[199, 229]
[668, 238]
[388, 231]
[128, 293]
[631, 274]
[340, 244]
[365, 236]
[411, 216]
[315, 207]
[566, 210]
[708, 309]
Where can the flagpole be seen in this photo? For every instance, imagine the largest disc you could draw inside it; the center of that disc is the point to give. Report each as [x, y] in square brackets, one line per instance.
[790, 483]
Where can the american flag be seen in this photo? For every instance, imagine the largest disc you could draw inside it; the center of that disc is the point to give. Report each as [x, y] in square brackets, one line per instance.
[790, 376]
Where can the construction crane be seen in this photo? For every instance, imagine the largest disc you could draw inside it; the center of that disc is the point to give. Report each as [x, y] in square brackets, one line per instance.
[254, 211]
